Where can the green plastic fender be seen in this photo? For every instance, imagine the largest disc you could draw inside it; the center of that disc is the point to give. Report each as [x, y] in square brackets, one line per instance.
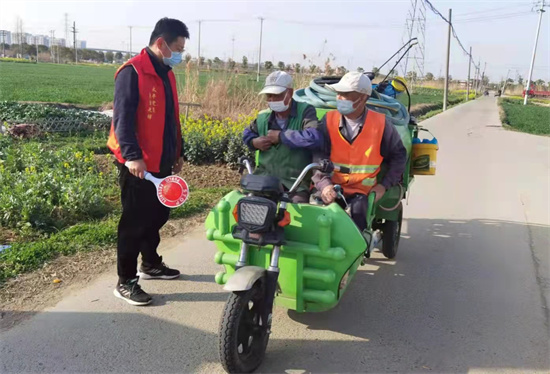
[322, 252]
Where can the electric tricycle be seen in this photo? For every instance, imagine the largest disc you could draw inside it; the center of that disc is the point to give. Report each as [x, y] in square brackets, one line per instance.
[297, 256]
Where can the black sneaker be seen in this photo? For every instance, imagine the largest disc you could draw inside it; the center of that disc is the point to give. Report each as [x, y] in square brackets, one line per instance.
[132, 293]
[159, 271]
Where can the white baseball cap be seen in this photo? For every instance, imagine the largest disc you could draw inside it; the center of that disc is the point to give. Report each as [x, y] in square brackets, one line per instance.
[353, 81]
[276, 83]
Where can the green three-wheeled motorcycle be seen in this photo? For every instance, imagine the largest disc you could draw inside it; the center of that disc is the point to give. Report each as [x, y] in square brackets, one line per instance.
[298, 256]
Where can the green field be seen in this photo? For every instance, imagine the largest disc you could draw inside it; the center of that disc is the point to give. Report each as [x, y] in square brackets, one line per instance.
[88, 85]
[77, 84]
[532, 118]
[94, 85]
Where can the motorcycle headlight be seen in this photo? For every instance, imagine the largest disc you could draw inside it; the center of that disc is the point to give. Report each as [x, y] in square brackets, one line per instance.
[253, 214]
[256, 214]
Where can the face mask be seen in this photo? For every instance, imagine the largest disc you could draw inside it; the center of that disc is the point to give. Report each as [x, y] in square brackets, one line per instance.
[174, 59]
[345, 107]
[278, 106]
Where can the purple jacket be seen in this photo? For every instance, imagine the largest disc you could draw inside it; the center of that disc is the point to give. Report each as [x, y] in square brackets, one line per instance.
[309, 137]
[391, 149]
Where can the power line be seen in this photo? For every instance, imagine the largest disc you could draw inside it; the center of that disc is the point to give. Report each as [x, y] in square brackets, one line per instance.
[491, 10]
[433, 9]
[344, 25]
[495, 17]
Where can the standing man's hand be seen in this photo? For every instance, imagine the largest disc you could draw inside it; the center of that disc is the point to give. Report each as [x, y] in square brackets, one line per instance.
[328, 194]
[137, 168]
[379, 190]
[176, 168]
[263, 143]
[273, 136]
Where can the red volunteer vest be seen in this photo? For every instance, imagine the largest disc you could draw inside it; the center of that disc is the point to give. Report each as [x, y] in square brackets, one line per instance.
[150, 115]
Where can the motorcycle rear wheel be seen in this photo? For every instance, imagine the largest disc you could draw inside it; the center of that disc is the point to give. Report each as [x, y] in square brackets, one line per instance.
[391, 232]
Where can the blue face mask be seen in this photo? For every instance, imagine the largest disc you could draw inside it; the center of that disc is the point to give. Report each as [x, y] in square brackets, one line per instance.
[174, 59]
[345, 107]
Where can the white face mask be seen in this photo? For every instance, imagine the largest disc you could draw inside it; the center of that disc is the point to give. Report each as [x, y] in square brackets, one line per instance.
[346, 107]
[279, 106]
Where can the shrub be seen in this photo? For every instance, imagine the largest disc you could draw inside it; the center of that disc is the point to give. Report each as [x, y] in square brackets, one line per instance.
[46, 189]
[209, 140]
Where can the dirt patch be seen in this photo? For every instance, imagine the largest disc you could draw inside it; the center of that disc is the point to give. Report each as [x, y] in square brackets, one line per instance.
[421, 109]
[7, 236]
[24, 296]
[204, 176]
[197, 176]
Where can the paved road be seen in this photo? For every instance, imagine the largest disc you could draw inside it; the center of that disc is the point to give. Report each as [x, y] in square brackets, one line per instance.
[468, 292]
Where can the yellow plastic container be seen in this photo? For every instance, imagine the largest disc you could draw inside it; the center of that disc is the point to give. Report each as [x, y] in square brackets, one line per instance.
[424, 158]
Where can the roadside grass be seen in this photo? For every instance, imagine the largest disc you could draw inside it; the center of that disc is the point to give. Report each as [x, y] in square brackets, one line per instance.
[95, 235]
[57, 197]
[530, 118]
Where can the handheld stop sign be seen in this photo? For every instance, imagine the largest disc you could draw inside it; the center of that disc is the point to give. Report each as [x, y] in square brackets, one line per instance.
[172, 191]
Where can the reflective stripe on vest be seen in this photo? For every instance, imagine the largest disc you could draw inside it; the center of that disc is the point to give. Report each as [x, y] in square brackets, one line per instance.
[362, 156]
[150, 116]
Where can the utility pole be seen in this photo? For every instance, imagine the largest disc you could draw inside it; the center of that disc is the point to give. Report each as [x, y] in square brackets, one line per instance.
[478, 82]
[130, 41]
[468, 81]
[52, 43]
[66, 30]
[446, 91]
[74, 43]
[233, 48]
[36, 44]
[199, 58]
[505, 82]
[3, 43]
[541, 10]
[482, 76]
[260, 50]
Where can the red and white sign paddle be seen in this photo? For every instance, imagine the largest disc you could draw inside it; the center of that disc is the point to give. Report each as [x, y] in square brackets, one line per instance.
[172, 191]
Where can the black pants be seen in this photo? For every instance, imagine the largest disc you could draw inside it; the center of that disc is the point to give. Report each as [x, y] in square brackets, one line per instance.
[358, 204]
[142, 217]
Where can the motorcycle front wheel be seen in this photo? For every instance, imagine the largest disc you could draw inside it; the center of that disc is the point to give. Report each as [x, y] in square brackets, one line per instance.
[243, 336]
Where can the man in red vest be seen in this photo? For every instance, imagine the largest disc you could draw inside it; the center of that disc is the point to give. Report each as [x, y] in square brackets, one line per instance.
[146, 136]
[359, 139]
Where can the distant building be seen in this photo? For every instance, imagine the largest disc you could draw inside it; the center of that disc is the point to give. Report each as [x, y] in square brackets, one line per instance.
[5, 36]
[22, 38]
[42, 40]
[61, 42]
[29, 38]
[81, 44]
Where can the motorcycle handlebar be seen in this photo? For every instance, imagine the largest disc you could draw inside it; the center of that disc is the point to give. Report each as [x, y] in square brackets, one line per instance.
[326, 166]
[245, 163]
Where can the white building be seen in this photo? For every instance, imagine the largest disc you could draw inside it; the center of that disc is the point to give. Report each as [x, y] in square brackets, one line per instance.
[61, 42]
[22, 38]
[42, 40]
[5, 36]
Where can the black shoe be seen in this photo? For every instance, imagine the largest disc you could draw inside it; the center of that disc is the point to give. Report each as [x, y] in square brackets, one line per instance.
[159, 271]
[132, 293]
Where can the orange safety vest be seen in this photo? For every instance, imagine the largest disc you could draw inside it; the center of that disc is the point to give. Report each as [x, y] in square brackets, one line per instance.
[362, 156]
[150, 115]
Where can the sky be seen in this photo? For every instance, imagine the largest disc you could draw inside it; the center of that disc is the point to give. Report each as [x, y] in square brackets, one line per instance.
[352, 33]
